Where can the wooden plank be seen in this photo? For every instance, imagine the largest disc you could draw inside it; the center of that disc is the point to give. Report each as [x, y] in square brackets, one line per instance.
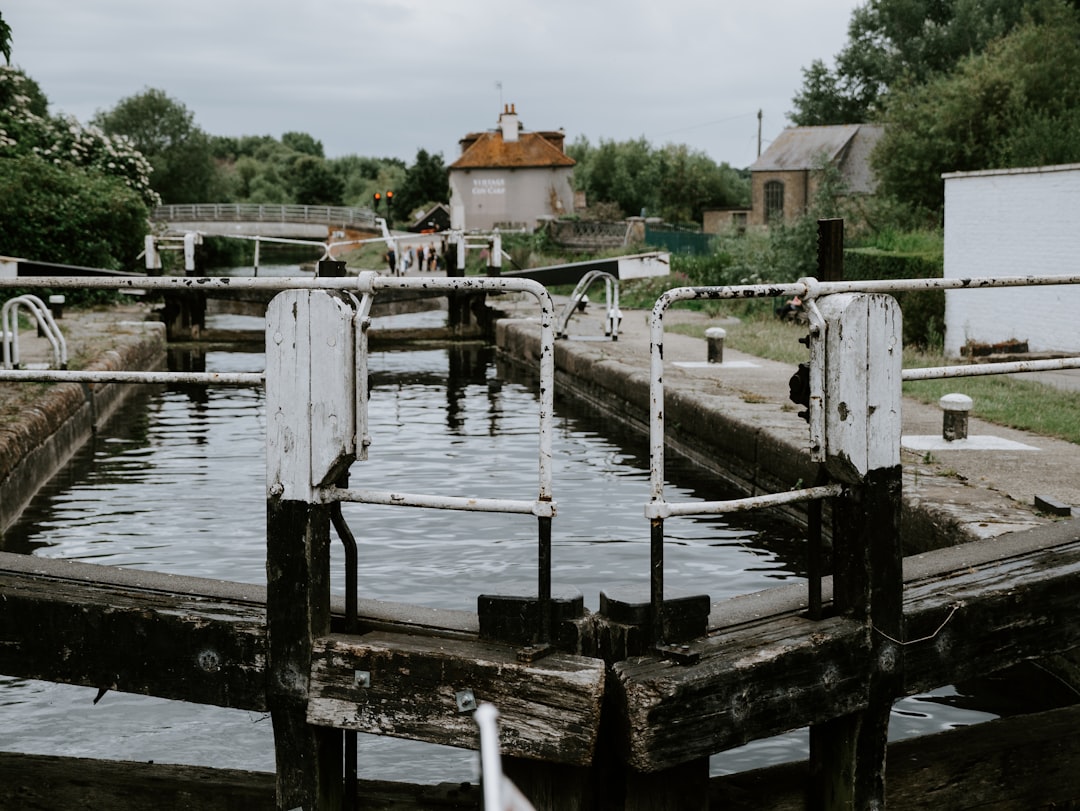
[1030, 761]
[862, 383]
[785, 672]
[752, 683]
[46, 783]
[332, 372]
[310, 393]
[193, 639]
[548, 710]
[988, 617]
[201, 648]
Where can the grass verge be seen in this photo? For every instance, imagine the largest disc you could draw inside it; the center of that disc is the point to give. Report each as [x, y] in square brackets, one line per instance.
[1011, 401]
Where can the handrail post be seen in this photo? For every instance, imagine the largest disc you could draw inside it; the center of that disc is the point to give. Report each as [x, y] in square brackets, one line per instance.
[861, 404]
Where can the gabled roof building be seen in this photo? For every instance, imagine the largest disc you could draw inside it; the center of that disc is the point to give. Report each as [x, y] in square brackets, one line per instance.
[510, 178]
[784, 179]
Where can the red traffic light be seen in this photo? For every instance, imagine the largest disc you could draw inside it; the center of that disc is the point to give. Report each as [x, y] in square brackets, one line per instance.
[378, 197]
[389, 197]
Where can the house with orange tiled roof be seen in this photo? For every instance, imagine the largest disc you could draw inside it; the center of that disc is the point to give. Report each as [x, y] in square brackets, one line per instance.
[510, 178]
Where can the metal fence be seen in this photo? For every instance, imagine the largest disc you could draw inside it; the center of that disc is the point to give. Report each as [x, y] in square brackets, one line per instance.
[254, 212]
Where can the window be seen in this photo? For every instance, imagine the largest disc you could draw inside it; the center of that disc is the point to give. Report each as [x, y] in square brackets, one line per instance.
[774, 200]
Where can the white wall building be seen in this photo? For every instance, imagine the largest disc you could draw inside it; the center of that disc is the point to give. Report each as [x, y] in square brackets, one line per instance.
[510, 178]
[1013, 222]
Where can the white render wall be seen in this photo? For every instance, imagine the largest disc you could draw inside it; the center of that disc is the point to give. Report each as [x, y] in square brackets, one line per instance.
[480, 198]
[1013, 222]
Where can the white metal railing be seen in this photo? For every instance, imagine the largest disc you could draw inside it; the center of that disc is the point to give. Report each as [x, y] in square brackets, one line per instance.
[9, 330]
[657, 508]
[500, 793]
[612, 314]
[258, 212]
[367, 282]
[809, 290]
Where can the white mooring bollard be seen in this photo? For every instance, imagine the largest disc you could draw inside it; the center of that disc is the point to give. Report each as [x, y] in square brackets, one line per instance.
[714, 337]
[955, 420]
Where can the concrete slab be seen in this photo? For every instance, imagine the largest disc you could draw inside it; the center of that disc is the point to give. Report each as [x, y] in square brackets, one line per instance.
[971, 443]
[727, 364]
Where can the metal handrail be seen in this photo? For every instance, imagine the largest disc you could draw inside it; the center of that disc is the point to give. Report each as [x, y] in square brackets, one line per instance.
[808, 289]
[611, 301]
[9, 329]
[367, 282]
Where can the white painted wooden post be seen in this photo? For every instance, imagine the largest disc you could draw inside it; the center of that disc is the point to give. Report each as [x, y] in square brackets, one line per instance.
[310, 392]
[863, 363]
[495, 255]
[191, 240]
[152, 258]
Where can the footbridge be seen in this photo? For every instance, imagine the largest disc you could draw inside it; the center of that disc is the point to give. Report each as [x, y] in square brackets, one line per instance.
[256, 219]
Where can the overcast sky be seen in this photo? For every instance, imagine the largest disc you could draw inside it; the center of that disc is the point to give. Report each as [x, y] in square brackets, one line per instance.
[384, 78]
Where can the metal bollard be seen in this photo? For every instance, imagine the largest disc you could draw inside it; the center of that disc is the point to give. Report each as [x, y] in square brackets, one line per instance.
[955, 421]
[714, 336]
[56, 305]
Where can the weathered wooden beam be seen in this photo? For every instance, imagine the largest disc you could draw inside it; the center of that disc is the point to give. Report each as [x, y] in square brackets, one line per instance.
[199, 639]
[750, 683]
[424, 689]
[46, 783]
[1028, 761]
[784, 672]
[136, 632]
[991, 616]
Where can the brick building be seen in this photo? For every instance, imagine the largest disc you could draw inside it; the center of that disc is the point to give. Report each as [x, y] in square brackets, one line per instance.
[784, 179]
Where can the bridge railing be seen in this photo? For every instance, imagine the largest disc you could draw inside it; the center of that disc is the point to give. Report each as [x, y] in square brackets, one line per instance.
[258, 212]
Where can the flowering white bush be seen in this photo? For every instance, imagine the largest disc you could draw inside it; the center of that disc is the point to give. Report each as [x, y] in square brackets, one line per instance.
[62, 140]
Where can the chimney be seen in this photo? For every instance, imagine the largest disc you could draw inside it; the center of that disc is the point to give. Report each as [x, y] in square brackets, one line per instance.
[508, 123]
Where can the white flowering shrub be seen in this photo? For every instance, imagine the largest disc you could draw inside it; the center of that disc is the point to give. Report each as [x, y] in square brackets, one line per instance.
[70, 142]
[68, 193]
[26, 128]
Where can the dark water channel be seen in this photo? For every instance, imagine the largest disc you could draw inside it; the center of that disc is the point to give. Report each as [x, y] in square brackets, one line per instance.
[176, 484]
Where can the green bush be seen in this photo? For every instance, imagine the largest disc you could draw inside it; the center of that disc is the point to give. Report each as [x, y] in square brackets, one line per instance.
[923, 310]
[69, 215]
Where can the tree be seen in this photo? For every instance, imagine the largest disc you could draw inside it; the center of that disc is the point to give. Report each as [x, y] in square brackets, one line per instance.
[675, 182]
[61, 213]
[1016, 104]
[890, 41]
[425, 182]
[5, 40]
[302, 142]
[164, 130]
[24, 113]
[27, 129]
[314, 184]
